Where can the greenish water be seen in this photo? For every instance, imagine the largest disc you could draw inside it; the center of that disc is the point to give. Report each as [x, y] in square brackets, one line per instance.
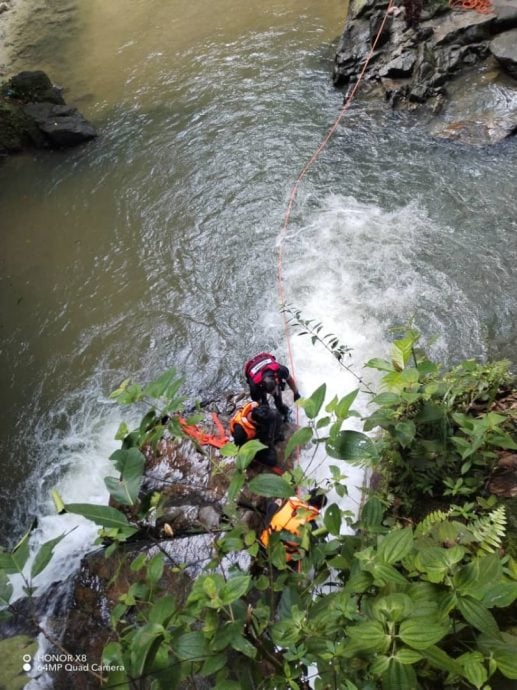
[154, 245]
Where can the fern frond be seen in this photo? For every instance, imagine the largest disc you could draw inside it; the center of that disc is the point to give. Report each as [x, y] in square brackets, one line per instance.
[490, 529]
[426, 525]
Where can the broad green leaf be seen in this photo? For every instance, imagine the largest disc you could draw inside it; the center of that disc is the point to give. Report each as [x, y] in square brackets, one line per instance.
[380, 364]
[396, 545]
[155, 568]
[344, 405]
[167, 384]
[144, 646]
[300, 438]
[234, 589]
[270, 485]
[405, 433]
[384, 573]
[284, 633]
[214, 663]
[393, 607]
[332, 519]
[379, 665]
[501, 595]
[190, 646]
[420, 633]
[386, 399]
[372, 513]
[229, 450]
[101, 515]
[247, 452]
[478, 616]
[130, 464]
[242, 645]
[369, 636]
[399, 677]
[44, 555]
[408, 656]
[440, 659]
[14, 561]
[238, 481]
[352, 446]
[475, 672]
[506, 661]
[312, 405]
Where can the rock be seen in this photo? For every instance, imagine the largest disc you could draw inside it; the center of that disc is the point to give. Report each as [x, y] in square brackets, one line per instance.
[485, 130]
[399, 67]
[33, 114]
[461, 27]
[504, 49]
[62, 125]
[32, 87]
[506, 15]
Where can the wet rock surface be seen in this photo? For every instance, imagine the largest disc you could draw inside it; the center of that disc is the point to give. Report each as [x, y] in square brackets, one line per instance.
[437, 65]
[33, 114]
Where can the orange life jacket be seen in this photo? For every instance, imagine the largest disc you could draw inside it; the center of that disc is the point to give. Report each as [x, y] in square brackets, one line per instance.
[256, 367]
[243, 417]
[292, 515]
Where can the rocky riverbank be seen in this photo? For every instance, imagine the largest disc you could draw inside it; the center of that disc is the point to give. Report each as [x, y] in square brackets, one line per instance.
[457, 67]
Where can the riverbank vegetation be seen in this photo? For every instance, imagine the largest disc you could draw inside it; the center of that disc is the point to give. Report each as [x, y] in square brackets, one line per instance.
[417, 591]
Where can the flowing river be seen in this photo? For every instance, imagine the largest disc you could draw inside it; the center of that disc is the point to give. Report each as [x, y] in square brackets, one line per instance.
[154, 246]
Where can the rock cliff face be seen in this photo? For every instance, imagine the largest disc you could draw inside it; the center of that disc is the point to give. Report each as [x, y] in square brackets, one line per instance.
[437, 64]
[33, 114]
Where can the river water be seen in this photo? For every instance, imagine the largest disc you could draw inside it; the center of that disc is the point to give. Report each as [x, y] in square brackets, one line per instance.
[154, 246]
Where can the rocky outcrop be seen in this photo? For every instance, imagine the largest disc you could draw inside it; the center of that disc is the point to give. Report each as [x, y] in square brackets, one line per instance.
[33, 114]
[422, 65]
[504, 49]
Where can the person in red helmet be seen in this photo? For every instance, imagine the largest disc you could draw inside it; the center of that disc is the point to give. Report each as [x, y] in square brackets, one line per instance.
[265, 375]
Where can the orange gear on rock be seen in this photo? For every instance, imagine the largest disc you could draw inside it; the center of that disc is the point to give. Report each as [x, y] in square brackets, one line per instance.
[218, 440]
[481, 6]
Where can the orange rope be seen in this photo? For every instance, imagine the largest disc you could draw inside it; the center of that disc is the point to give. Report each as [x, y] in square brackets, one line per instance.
[301, 175]
[481, 6]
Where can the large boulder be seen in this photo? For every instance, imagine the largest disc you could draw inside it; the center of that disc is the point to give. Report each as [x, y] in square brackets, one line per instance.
[504, 49]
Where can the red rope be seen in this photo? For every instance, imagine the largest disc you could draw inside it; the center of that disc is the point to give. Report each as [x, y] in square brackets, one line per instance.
[301, 175]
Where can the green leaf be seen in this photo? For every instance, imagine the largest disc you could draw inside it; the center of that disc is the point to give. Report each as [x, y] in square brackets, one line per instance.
[387, 573]
[190, 646]
[380, 364]
[421, 633]
[270, 485]
[312, 405]
[388, 399]
[234, 589]
[6, 589]
[166, 385]
[478, 616]
[155, 568]
[144, 646]
[344, 405]
[242, 645]
[300, 438]
[238, 481]
[247, 452]
[405, 433]
[475, 671]
[332, 519]
[214, 663]
[130, 464]
[440, 659]
[352, 446]
[399, 677]
[14, 562]
[58, 501]
[369, 636]
[372, 513]
[408, 656]
[101, 515]
[393, 607]
[506, 659]
[44, 555]
[396, 545]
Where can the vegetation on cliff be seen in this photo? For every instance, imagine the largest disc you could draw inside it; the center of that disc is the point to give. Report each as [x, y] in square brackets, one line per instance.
[418, 593]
